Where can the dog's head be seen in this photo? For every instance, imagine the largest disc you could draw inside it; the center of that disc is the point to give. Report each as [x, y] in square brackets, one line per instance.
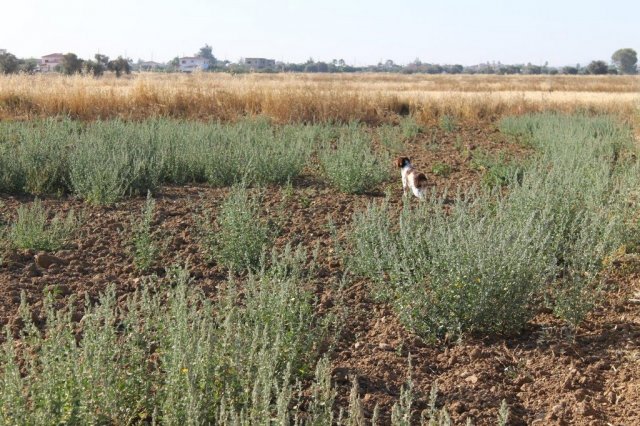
[402, 162]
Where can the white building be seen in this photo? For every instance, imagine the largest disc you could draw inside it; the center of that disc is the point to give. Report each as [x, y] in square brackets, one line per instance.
[190, 64]
[3, 51]
[50, 62]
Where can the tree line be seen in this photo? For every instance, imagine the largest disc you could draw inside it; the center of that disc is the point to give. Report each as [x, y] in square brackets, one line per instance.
[623, 61]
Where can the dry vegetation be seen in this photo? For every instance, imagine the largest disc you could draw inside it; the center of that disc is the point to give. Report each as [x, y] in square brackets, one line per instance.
[371, 98]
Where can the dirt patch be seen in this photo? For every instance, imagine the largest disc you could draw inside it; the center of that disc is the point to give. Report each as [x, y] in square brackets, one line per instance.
[545, 376]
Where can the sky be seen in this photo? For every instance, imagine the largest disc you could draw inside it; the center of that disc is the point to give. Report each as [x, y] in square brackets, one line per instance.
[359, 31]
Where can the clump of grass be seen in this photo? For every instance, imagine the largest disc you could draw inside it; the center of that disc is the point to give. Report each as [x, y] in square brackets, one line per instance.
[410, 127]
[448, 123]
[391, 137]
[32, 228]
[111, 162]
[352, 166]
[145, 248]
[498, 170]
[240, 235]
[441, 169]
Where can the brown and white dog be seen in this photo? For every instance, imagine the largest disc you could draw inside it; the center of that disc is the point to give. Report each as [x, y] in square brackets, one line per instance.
[411, 178]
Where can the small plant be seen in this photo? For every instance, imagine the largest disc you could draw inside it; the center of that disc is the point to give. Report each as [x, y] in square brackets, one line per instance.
[503, 414]
[441, 169]
[33, 230]
[241, 235]
[410, 128]
[448, 123]
[391, 137]
[352, 166]
[145, 249]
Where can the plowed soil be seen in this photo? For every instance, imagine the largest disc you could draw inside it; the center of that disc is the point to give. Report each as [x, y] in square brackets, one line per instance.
[547, 375]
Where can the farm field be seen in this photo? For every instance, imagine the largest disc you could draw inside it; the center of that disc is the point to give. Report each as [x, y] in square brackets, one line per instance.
[237, 250]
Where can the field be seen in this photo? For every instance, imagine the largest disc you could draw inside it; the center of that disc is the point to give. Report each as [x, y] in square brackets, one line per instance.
[218, 249]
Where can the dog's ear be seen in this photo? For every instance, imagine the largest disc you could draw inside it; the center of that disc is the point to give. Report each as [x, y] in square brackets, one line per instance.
[400, 161]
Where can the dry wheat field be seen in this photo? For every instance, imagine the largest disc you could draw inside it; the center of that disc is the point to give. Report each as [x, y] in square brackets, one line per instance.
[312, 98]
[237, 250]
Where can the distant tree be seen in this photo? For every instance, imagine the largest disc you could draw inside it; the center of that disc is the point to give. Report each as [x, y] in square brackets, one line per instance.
[119, 66]
[341, 63]
[207, 52]
[95, 68]
[71, 64]
[597, 67]
[626, 60]
[570, 70]
[102, 59]
[28, 65]
[322, 67]
[8, 63]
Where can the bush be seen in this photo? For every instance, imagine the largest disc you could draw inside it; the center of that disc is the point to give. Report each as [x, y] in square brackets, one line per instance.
[240, 236]
[33, 230]
[353, 167]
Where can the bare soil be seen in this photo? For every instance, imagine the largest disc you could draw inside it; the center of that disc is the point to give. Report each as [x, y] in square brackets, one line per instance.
[546, 375]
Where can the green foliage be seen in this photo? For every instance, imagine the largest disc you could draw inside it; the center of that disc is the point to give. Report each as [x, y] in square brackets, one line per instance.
[145, 248]
[597, 67]
[105, 161]
[241, 235]
[33, 229]
[8, 63]
[487, 263]
[352, 166]
[626, 60]
[410, 128]
[112, 160]
[71, 64]
[497, 170]
[170, 355]
[441, 169]
[448, 123]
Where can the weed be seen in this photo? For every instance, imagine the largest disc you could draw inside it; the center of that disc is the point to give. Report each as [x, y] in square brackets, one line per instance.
[448, 123]
[241, 235]
[145, 249]
[441, 169]
[33, 230]
[352, 166]
[410, 127]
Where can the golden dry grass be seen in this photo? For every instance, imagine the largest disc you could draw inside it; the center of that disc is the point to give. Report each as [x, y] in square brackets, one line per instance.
[372, 98]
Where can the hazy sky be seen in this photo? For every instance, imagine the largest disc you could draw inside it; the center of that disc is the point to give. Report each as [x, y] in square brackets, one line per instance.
[358, 31]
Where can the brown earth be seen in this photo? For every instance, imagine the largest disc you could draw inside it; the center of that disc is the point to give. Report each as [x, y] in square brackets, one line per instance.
[545, 376]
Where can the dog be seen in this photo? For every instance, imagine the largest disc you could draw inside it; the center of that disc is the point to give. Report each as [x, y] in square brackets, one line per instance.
[411, 178]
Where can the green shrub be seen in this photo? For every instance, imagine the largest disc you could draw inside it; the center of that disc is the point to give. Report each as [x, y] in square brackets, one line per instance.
[410, 128]
[353, 167]
[169, 355]
[448, 123]
[240, 235]
[487, 262]
[145, 248]
[441, 169]
[33, 230]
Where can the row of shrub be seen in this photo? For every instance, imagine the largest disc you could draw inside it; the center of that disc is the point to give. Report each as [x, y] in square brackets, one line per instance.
[105, 161]
[489, 262]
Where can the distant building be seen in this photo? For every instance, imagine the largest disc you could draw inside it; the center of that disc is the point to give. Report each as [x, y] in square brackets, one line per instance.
[190, 64]
[48, 63]
[3, 51]
[259, 63]
[149, 66]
